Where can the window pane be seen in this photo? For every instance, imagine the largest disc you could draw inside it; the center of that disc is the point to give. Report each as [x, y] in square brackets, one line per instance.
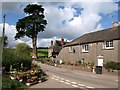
[107, 43]
[111, 43]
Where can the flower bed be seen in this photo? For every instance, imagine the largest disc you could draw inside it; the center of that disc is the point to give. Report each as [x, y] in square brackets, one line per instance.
[30, 77]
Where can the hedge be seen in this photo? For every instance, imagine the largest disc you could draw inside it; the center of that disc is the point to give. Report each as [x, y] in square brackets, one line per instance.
[112, 65]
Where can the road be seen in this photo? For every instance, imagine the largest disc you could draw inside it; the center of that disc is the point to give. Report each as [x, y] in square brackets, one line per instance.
[66, 78]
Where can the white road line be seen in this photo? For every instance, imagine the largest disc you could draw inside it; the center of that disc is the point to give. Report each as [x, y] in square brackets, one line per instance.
[57, 79]
[67, 80]
[73, 82]
[89, 87]
[81, 85]
[67, 83]
[61, 81]
[52, 78]
[74, 85]
[55, 76]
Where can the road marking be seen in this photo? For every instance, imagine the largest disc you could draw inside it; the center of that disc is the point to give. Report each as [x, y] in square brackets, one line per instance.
[89, 87]
[73, 82]
[52, 78]
[61, 81]
[67, 80]
[57, 79]
[67, 83]
[74, 85]
[81, 85]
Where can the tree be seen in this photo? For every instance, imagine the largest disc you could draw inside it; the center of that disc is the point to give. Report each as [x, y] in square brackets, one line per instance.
[32, 24]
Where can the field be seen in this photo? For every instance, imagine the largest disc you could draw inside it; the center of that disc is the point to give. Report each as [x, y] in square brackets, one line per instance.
[42, 53]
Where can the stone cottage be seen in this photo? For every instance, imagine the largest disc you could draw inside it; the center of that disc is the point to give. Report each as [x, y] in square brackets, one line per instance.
[55, 48]
[90, 47]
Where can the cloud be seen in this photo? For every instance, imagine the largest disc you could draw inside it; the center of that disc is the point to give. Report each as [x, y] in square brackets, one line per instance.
[74, 26]
[10, 33]
[67, 19]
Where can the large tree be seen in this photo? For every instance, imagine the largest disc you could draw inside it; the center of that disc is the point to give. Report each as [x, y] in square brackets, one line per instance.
[32, 24]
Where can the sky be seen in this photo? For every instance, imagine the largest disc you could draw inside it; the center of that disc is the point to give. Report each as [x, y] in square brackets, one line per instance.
[67, 19]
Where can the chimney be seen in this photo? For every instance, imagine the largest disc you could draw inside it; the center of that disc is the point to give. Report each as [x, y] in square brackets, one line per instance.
[51, 43]
[62, 41]
[115, 24]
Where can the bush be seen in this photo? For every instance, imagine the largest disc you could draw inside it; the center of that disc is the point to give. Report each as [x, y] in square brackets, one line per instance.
[16, 57]
[8, 84]
[112, 65]
[9, 58]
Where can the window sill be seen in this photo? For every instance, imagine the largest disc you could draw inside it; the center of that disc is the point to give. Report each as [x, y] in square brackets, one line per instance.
[70, 51]
[85, 51]
[108, 48]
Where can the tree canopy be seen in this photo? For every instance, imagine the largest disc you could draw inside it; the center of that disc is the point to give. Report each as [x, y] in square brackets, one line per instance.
[32, 24]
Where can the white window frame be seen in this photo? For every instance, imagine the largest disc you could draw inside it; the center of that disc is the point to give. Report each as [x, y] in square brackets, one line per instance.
[108, 45]
[85, 47]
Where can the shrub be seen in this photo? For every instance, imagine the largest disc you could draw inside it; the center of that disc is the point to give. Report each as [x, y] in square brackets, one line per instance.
[79, 62]
[16, 57]
[112, 65]
[8, 84]
[9, 58]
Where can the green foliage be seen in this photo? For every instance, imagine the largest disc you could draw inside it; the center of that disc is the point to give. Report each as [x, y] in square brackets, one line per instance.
[42, 53]
[5, 40]
[16, 57]
[8, 84]
[79, 61]
[9, 57]
[23, 51]
[112, 65]
[31, 25]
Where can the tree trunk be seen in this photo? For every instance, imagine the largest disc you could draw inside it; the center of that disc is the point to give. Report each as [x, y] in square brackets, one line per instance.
[34, 42]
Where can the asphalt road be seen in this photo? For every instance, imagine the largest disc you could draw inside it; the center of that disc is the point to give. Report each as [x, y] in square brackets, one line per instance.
[66, 78]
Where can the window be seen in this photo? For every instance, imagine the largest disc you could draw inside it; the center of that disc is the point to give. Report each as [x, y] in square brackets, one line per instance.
[85, 48]
[71, 49]
[107, 44]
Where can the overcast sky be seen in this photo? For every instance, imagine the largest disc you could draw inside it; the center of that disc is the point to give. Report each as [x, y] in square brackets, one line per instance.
[65, 19]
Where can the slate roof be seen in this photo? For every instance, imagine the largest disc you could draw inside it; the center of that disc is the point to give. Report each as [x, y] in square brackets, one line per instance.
[98, 36]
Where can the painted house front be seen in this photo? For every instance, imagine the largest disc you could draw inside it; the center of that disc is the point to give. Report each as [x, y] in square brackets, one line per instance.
[90, 47]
